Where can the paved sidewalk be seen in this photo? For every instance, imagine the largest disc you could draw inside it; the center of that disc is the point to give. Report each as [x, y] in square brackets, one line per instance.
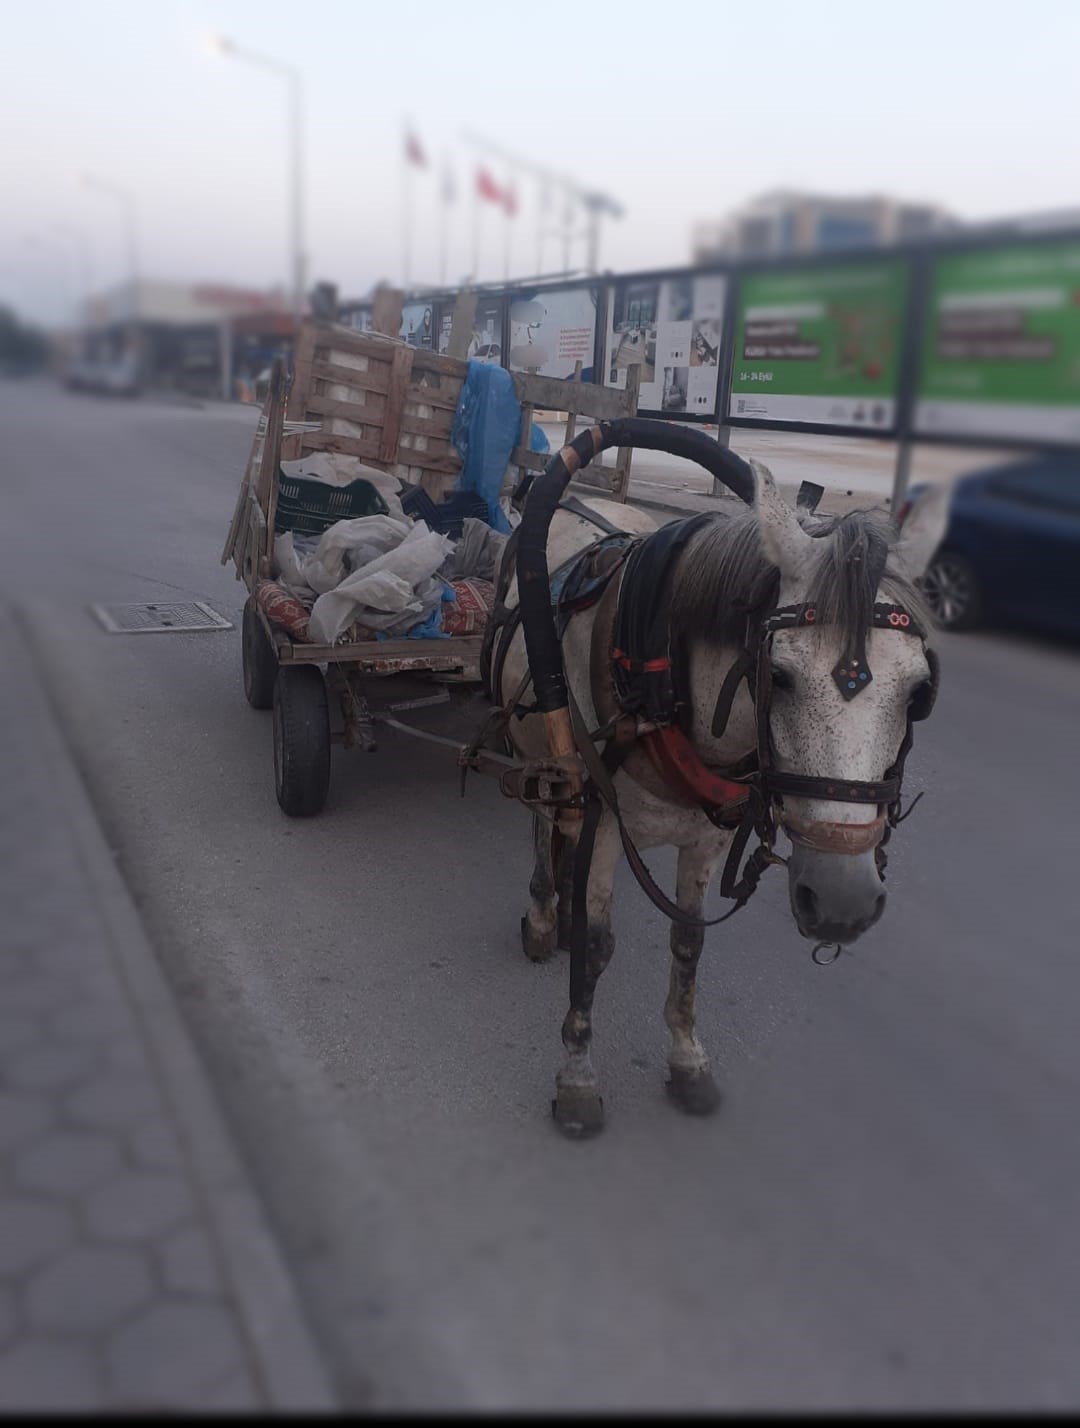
[136, 1267]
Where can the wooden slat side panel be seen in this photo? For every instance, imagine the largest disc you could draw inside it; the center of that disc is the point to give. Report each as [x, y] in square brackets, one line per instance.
[367, 447]
[427, 421]
[426, 361]
[581, 398]
[351, 409]
[375, 378]
[302, 361]
[400, 370]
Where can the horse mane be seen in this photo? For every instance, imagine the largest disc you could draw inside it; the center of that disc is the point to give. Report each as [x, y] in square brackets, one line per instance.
[724, 573]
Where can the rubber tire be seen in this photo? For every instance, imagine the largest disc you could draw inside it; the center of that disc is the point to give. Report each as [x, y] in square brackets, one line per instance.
[972, 614]
[301, 740]
[260, 659]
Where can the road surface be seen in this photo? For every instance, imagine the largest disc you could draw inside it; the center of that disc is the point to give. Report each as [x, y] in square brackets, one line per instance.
[883, 1214]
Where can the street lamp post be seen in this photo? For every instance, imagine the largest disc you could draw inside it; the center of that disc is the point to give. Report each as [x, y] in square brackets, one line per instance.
[127, 202]
[81, 247]
[226, 46]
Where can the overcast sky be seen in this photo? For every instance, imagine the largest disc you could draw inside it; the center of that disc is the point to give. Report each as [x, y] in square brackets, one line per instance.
[680, 111]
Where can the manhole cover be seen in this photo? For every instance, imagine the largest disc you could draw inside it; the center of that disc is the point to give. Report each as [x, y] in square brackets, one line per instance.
[155, 619]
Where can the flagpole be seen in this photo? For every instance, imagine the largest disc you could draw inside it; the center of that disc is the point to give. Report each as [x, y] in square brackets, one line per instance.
[445, 222]
[476, 232]
[407, 207]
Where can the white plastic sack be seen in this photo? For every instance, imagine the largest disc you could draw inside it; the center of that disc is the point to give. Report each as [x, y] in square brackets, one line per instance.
[363, 596]
[374, 535]
[289, 564]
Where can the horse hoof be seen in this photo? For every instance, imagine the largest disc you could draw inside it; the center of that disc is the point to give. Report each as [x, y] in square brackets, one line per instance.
[694, 1092]
[578, 1113]
[538, 947]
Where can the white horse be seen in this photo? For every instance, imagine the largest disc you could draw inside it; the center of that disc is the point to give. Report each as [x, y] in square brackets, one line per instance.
[835, 887]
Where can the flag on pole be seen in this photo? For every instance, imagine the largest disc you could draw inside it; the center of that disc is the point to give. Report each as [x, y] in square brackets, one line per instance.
[414, 153]
[487, 188]
[509, 200]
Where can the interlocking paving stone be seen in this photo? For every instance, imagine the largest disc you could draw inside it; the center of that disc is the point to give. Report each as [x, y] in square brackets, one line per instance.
[30, 1232]
[67, 1162]
[88, 1290]
[188, 1262]
[137, 1205]
[171, 1352]
[22, 1117]
[40, 1373]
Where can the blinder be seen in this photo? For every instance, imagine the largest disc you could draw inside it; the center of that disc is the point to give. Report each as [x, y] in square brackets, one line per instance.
[925, 697]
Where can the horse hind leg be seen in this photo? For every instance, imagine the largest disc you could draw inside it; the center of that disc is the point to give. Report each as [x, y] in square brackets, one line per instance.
[578, 1108]
[690, 1084]
[538, 924]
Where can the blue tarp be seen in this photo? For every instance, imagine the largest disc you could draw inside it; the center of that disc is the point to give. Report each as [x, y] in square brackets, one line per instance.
[485, 431]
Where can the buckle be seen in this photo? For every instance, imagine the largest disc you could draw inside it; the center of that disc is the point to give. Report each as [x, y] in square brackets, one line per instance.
[546, 783]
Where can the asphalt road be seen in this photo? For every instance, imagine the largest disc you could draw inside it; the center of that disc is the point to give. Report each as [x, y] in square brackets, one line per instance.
[885, 1212]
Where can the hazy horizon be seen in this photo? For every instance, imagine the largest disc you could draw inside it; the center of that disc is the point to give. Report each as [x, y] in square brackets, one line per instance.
[948, 104]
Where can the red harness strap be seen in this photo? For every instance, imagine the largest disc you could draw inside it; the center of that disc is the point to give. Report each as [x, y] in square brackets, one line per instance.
[676, 761]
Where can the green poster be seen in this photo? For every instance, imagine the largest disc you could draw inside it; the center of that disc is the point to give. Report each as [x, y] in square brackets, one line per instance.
[820, 345]
[1001, 351]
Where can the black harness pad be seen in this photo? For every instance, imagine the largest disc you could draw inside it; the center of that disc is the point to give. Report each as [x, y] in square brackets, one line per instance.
[642, 657]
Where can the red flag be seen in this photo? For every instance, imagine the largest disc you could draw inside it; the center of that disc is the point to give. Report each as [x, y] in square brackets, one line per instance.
[509, 200]
[413, 152]
[487, 188]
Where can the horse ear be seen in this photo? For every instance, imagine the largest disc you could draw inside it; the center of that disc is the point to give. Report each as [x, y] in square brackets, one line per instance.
[923, 530]
[786, 544]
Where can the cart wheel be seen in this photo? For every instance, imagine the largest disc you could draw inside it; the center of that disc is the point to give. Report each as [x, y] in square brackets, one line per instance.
[301, 740]
[260, 661]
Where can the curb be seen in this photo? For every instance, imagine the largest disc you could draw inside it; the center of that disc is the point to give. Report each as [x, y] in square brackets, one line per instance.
[290, 1369]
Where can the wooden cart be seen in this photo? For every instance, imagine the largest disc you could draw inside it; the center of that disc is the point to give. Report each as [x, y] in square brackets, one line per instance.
[373, 396]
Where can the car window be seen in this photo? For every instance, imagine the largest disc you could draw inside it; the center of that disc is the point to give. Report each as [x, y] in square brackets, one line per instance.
[1057, 487]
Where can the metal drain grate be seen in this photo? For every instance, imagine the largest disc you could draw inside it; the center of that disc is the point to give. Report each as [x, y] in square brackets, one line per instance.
[156, 619]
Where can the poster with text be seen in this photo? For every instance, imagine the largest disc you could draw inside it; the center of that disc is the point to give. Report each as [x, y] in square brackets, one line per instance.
[552, 330]
[671, 328]
[820, 345]
[417, 324]
[1001, 349]
[485, 340]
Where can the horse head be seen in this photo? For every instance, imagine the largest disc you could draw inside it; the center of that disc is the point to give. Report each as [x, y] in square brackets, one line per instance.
[842, 574]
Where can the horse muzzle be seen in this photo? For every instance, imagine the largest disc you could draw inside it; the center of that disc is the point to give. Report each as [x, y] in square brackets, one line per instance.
[834, 885]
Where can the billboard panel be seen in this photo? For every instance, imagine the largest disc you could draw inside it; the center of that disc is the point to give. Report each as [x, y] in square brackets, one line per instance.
[485, 341]
[672, 329]
[551, 329]
[820, 345]
[1001, 346]
[417, 324]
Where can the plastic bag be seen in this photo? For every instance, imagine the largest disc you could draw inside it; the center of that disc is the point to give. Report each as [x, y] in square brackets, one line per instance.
[386, 586]
[371, 535]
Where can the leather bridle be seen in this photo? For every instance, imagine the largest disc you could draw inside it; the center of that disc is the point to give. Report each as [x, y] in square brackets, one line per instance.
[767, 785]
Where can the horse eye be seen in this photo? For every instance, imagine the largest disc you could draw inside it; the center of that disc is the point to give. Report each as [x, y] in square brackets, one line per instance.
[781, 678]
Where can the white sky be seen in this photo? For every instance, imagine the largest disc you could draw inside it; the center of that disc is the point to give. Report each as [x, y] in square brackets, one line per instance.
[680, 111]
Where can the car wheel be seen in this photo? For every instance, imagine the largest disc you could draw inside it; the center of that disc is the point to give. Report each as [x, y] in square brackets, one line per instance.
[953, 589]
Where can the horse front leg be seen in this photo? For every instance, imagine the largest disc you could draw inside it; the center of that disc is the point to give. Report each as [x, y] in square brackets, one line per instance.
[578, 1108]
[690, 1084]
[538, 924]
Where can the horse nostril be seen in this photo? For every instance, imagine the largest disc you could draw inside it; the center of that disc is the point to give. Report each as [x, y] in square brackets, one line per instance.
[879, 908]
[806, 902]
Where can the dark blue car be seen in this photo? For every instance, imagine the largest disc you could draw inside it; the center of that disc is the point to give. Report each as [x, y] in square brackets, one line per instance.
[1011, 553]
